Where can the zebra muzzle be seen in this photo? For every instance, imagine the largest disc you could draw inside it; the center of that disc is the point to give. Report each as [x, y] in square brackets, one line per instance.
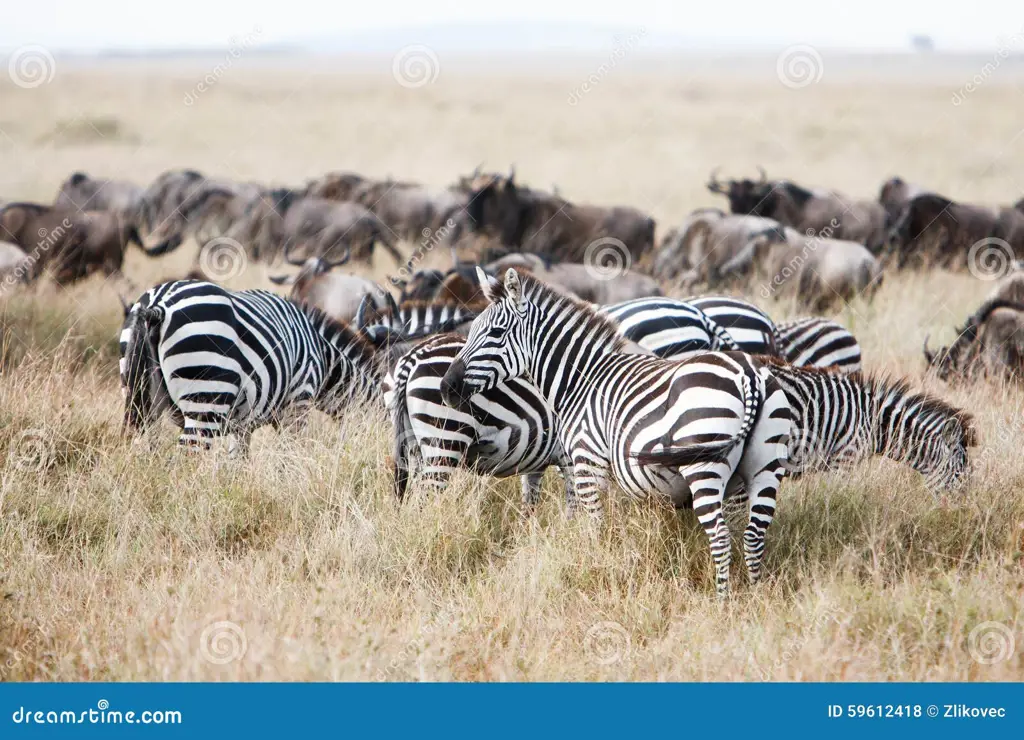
[454, 389]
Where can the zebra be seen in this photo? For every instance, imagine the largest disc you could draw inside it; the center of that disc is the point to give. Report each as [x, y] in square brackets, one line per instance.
[509, 429]
[819, 342]
[751, 328]
[412, 319]
[228, 362]
[668, 327]
[839, 419]
[679, 429]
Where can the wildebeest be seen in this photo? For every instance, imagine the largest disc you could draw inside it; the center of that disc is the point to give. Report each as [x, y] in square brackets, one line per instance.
[990, 345]
[535, 221]
[412, 211]
[894, 196]
[338, 296]
[86, 193]
[935, 229]
[696, 250]
[808, 211]
[317, 227]
[581, 281]
[73, 243]
[15, 265]
[166, 213]
[818, 271]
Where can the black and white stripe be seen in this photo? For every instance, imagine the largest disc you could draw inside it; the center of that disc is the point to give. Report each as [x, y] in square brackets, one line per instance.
[668, 327]
[508, 430]
[819, 342]
[229, 362]
[751, 328]
[680, 429]
[839, 419]
[413, 319]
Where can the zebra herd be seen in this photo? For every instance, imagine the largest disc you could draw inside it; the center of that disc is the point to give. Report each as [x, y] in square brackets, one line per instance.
[694, 400]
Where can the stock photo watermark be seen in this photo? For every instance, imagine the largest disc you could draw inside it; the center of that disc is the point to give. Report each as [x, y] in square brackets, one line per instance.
[429, 241]
[223, 642]
[415, 66]
[31, 66]
[622, 49]
[799, 66]
[236, 50]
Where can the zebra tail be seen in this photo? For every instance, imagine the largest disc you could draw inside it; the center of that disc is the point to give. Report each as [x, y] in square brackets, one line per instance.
[724, 339]
[708, 452]
[142, 368]
[403, 434]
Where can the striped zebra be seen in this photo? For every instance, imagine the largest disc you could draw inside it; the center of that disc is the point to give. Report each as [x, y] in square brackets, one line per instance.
[508, 430]
[679, 429]
[818, 342]
[412, 319]
[751, 328]
[228, 362]
[839, 419]
[668, 327]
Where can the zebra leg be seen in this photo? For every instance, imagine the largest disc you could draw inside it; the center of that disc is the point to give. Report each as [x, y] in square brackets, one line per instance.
[198, 431]
[570, 489]
[239, 446]
[590, 477]
[762, 468]
[531, 489]
[708, 488]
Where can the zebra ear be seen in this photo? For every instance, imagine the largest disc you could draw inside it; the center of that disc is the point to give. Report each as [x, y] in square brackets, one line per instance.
[513, 287]
[488, 285]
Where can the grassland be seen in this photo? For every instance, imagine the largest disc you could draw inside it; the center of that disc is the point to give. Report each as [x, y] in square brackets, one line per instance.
[122, 563]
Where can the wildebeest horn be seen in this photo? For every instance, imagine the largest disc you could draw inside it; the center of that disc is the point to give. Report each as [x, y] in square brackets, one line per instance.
[476, 170]
[392, 305]
[125, 305]
[364, 306]
[288, 255]
[764, 175]
[511, 173]
[713, 184]
[928, 355]
[341, 260]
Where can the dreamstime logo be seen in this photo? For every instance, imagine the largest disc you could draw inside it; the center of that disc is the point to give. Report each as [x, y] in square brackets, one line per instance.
[222, 643]
[607, 258]
[619, 52]
[990, 259]
[990, 643]
[607, 643]
[427, 245]
[235, 50]
[415, 66]
[799, 66]
[31, 66]
[222, 259]
[31, 451]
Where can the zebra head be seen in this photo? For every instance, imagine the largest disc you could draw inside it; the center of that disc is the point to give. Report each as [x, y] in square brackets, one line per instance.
[495, 350]
[926, 433]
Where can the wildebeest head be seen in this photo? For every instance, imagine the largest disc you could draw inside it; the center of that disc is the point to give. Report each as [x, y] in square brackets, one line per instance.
[753, 197]
[493, 205]
[420, 286]
[310, 267]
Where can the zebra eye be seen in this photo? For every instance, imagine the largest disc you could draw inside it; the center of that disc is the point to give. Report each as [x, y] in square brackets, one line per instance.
[496, 331]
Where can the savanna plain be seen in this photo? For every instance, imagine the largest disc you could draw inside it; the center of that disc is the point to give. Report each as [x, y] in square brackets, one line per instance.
[122, 563]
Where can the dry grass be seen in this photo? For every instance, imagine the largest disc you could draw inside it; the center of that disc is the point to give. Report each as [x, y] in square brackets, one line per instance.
[121, 563]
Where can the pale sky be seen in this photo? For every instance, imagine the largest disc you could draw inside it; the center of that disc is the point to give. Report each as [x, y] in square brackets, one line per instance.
[880, 24]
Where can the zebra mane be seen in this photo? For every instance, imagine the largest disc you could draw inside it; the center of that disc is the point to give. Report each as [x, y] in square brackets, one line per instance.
[882, 387]
[342, 335]
[553, 301]
[886, 386]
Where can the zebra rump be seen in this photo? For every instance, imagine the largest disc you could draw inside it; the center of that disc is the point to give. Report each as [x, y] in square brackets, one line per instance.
[667, 327]
[819, 342]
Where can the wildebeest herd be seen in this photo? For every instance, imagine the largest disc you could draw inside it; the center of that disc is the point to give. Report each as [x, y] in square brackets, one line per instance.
[547, 342]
